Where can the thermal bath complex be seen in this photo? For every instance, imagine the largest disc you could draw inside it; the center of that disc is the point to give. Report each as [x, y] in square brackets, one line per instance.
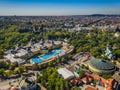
[42, 58]
[54, 49]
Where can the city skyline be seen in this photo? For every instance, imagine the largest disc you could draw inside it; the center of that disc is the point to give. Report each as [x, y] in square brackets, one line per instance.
[62, 7]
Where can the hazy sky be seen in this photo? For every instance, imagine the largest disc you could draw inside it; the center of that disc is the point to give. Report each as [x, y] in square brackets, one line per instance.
[59, 7]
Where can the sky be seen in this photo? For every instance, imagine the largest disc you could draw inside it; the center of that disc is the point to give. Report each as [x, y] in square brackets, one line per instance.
[58, 7]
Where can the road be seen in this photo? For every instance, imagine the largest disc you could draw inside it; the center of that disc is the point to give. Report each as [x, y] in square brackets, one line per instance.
[5, 84]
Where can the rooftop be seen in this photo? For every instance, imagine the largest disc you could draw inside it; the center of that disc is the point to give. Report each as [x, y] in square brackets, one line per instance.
[110, 84]
[65, 73]
[91, 88]
[102, 64]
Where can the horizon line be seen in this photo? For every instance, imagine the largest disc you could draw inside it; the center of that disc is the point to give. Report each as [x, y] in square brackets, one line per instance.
[62, 15]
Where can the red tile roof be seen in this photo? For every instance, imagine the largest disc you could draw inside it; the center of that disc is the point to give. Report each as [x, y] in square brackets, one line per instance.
[14, 88]
[87, 79]
[110, 84]
[91, 88]
[76, 81]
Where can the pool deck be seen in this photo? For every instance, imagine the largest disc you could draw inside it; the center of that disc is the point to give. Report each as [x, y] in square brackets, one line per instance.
[53, 57]
[47, 56]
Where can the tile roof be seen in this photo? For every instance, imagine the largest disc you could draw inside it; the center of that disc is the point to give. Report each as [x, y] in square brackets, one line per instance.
[110, 84]
[91, 88]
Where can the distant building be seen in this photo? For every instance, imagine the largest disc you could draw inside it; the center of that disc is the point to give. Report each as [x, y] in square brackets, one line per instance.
[117, 32]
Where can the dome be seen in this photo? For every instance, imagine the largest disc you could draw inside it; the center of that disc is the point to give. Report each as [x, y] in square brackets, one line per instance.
[102, 64]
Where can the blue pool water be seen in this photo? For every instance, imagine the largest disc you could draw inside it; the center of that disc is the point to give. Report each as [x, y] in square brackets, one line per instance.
[36, 60]
[46, 56]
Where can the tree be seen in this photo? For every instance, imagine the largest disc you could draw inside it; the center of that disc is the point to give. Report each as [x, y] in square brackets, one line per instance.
[81, 73]
[26, 69]
[40, 66]
[94, 82]
[57, 86]
[20, 70]
[75, 88]
[8, 73]
[12, 67]
[61, 86]
[107, 76]
[51, 80]
[2, 71]
[43, 83]
[50, 63]
[51, 85]
[10, 83]
[62, 59]
[1, 53]
[67, 84]
[39, 79]
[23, 77]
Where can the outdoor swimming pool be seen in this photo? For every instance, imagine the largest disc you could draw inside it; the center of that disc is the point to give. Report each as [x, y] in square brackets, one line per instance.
[42, 58]
[37, 60]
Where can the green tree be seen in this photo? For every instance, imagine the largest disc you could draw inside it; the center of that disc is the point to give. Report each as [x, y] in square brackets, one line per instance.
[20, 69]
[8, 73]
[2, 71]
[81, 73]
[107, 76]
[75, 88]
